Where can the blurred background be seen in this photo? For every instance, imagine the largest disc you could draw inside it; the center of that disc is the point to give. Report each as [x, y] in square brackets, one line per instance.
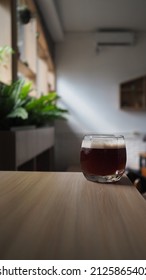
[90, 53]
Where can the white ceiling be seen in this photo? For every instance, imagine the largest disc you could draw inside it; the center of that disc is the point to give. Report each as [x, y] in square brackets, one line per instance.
[63, 16]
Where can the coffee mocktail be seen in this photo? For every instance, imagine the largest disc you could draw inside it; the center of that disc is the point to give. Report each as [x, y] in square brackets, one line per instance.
[103, 157]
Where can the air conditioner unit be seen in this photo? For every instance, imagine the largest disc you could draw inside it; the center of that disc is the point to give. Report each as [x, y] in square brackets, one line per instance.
[115, 38]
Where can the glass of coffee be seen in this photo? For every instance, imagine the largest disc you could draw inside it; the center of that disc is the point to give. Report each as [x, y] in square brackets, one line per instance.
[103, 157]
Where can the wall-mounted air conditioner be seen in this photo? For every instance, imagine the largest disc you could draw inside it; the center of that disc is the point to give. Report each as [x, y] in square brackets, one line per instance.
[115, 38]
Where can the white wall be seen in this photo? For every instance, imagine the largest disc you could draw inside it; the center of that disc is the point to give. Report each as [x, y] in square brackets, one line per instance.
[88, 82]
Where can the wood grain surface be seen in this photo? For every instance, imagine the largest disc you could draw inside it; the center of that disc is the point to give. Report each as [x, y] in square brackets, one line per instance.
[58, 215]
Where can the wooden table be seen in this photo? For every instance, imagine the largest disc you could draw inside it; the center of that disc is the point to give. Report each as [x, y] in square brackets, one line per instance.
[58, 215]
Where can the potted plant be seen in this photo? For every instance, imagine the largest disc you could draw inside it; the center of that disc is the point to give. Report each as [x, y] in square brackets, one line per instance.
[44, 110]
[24, 148]
[18, 108]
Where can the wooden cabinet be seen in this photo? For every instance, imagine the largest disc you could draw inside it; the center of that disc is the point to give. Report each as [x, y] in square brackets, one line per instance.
[133, 94]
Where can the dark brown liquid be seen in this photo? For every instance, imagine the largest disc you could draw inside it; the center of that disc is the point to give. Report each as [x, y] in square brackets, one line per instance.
[103, 162]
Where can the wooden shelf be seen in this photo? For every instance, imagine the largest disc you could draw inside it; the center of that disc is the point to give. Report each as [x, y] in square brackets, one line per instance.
[133, 109]
[133, 94]
[25, 70]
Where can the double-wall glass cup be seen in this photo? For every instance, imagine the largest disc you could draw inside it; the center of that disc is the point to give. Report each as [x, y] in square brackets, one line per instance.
[103, 157]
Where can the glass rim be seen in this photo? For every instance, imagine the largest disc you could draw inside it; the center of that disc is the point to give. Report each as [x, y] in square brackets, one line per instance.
[96, 135]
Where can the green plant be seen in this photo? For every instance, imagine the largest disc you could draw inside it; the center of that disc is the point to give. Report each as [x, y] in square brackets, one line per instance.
[13, 98]
[44, 110]
[18, 108]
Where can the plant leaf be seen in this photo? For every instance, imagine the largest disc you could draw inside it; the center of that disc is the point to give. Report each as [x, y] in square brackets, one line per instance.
[18, 113]
[16, 88]
[26, 88]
